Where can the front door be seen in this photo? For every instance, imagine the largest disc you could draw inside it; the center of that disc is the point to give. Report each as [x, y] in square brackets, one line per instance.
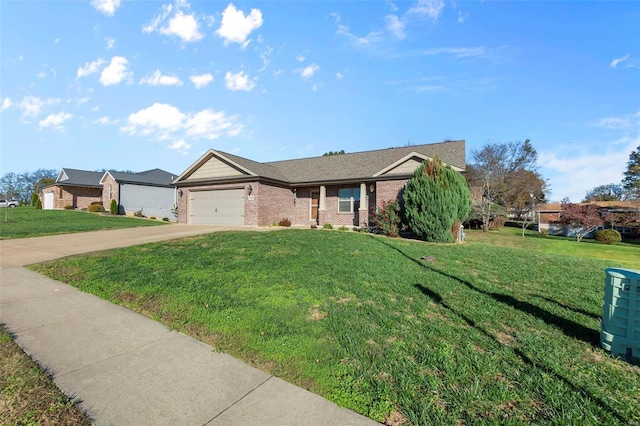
[315, 203]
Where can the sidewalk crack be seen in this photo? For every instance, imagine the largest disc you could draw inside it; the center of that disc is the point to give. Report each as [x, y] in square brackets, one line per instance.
[240, 399]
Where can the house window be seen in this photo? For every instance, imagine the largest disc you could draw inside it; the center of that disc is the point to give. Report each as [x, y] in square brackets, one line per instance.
[110, 192]
[349, 200]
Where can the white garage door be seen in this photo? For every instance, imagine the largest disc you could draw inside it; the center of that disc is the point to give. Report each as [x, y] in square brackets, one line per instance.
[48, 201]
[220, 207]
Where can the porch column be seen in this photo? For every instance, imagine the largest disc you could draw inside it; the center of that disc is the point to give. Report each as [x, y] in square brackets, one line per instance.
[363, 200]
[322, 205]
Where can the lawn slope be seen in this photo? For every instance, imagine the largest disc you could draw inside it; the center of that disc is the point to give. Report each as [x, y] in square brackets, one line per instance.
[477, 334]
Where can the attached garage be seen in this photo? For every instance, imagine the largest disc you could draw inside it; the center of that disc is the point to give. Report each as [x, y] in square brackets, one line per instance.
[217, 207]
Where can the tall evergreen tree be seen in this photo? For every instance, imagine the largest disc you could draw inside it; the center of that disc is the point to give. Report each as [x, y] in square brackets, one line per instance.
[434, 198]
[631, 181]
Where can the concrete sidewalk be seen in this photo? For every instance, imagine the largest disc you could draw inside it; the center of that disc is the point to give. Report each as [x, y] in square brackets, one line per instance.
[129, 370]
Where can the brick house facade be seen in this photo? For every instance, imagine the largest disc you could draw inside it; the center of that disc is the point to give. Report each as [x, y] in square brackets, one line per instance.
[342, 190]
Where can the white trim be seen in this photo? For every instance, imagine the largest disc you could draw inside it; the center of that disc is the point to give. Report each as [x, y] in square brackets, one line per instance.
[104, 176]
[206, 157]
[407, 158]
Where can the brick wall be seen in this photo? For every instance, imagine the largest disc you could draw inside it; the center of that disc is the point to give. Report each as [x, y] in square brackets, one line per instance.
[274, 203]
[108, 195]
[78, 197]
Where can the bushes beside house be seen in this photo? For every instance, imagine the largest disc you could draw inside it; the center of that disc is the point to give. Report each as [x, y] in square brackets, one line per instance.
[96, 207]
[608, 236]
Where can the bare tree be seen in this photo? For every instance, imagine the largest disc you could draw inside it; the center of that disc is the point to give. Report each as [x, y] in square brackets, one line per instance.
[494, 170]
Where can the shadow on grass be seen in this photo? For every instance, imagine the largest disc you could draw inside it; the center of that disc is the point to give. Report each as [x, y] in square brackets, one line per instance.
[568, 327]
[571, 308]
[523, 356]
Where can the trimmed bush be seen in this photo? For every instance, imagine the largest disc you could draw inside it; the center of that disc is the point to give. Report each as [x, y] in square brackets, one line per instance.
[96, 207]
[152, 218]
[327, 226]
[608, 236]
[68, 207]
[284, 222]
[165, 219]
[343, 228]
[113, 208]
[39, 204]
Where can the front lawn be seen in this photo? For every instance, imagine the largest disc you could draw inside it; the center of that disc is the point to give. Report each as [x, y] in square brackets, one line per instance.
[24, 222]
[478, 333]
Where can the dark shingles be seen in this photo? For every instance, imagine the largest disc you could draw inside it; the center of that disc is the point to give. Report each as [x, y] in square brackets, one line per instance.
[358, 165]
[155, 177]
[81, 178]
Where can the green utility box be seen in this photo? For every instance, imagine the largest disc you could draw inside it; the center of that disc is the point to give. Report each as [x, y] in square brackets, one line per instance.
[620, 330]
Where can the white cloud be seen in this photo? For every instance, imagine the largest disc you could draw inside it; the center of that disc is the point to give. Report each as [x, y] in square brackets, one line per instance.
[167, 122]
[339, 75]
[462, 17]
[300, 58]
[90, 68]
[427, 8]
[181, 146]
[209, 124]
[31, 106]
[615, 62]
[42, 74]
[628, 121]
[56, 41]
[104, 120]
[201, 80]
[458, 52]
[55, 120]
[158, 119]
[265, 58]
[115, 72]
[108, 7]
[239, 81]
[571, 173]
[6, 104]
[236, 27]
[308, 72]
[157, 79]
[173, 21]
[184, 26]
[372, 37]
[395, 26]
[110, 42]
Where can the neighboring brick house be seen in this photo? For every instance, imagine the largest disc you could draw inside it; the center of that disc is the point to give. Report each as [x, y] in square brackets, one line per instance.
[150, 192]
[627, 212]
[224, 189]
[74, 188]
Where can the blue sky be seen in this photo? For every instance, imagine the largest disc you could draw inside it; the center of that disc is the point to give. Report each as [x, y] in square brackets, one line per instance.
[112, 84]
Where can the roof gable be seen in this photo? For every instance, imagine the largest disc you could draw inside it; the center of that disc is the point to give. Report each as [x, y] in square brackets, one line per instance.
[78, 177]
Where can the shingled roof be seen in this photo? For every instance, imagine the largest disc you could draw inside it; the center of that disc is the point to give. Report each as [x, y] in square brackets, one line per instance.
[365, 165]
[154, 177]
[75, 177]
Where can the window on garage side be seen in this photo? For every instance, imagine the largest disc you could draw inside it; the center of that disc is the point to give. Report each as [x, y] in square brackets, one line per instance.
[348, 199]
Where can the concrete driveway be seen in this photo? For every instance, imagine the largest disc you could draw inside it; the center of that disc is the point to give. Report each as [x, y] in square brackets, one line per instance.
[126, 369]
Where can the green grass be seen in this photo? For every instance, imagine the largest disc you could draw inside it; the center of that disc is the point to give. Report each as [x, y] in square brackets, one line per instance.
[28, 396]
[24, 222]
[488, 333]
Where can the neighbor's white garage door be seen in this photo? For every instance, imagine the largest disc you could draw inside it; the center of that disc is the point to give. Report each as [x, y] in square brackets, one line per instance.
[48, 201]
[219, 207]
